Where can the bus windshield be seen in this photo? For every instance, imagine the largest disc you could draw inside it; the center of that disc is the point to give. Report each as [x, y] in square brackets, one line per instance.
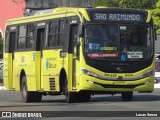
[115, 42]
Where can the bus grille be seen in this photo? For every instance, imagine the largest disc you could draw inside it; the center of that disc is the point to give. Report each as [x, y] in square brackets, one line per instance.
[52, 83]
[119, 86]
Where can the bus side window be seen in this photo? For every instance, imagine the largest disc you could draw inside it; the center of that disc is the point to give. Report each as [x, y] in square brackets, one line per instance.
[40, 38]
[30, 40]
[53, 33]
[21, 43]
[10, 41]
[62, 33]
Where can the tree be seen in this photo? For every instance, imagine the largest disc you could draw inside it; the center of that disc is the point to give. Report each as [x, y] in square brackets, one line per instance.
[137, 4]
[109, 3]
[140, 4]
[156, 16]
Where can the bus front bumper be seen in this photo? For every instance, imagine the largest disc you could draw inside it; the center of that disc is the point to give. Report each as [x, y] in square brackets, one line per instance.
[95, 84]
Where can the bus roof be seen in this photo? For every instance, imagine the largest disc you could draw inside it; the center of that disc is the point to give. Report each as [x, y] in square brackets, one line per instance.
[57, 12]
[52, 13]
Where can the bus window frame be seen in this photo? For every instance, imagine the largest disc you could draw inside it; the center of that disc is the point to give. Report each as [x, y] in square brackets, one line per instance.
[24, 49]
[34, 37]
[45, 26]
[7, 36]
[58, 32]
[62, 32]
[48, 33]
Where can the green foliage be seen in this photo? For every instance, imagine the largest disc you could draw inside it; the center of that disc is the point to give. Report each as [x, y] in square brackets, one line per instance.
[140, 4]
[158, 4]
[156, 16]
[109, 3]
[137, 4]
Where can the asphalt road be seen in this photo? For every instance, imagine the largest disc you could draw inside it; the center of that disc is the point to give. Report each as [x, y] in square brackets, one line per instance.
[142, 102]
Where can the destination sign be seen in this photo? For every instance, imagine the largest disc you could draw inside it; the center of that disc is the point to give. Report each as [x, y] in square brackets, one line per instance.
[131, 17]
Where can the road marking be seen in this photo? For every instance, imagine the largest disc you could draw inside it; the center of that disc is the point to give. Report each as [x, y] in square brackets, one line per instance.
[2, 88]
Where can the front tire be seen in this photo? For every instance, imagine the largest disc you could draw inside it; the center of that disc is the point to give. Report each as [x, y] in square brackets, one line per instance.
[71, 97]
[127, 96]
[28, 96]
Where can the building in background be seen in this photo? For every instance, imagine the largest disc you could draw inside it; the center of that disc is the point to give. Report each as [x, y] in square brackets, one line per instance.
[33, 6]
[10, 9]
[18, 8]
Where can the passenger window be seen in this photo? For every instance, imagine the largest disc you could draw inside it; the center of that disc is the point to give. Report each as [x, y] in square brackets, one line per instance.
[22, 38]
[30, 40]
[62, 33]
[53, 33]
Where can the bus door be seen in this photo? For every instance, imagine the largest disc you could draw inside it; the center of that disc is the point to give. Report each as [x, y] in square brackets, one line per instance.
[12, 34]
[74, 64]
[39, 47]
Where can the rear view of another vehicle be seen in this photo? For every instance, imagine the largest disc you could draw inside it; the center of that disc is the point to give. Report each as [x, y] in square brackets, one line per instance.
[157, 78]
[157, 64]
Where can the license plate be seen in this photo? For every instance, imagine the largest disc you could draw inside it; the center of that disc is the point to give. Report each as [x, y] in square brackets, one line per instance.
[119, 82]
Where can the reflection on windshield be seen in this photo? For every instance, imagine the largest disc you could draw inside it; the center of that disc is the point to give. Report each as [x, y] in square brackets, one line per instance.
[96, 35]
[118, 42]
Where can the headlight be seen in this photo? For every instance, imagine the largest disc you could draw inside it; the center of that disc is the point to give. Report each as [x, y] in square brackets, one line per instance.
[90, 73]
[150, 73]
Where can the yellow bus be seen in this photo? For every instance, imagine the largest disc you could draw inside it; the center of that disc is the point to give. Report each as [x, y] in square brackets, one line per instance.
[79, 52]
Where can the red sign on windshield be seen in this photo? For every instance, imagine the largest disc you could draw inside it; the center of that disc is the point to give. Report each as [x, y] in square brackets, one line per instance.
[104, 55]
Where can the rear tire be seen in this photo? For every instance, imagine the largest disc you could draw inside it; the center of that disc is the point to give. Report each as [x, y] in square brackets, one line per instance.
[127, 96]
[28, 96]
[71, 97]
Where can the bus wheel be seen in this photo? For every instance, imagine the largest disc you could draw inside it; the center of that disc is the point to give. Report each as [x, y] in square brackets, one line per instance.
[127, 96]
[28, 96]
[70, 96]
